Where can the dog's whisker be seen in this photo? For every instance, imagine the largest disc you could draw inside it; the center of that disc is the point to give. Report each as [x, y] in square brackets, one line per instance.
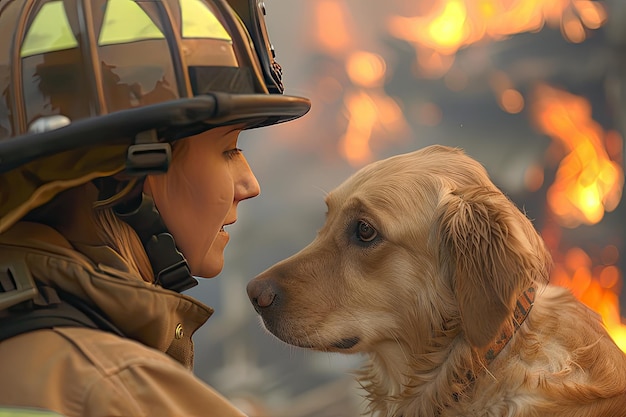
[324, 192]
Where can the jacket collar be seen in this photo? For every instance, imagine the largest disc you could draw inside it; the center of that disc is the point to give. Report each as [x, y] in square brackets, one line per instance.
[159, 318]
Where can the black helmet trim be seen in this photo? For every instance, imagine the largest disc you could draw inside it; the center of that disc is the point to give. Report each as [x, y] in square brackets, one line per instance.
[252, 14]
[172, 120]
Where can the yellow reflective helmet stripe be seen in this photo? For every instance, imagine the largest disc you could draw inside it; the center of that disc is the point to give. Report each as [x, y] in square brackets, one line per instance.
[200, 22]
[50, 31]
[125, 21]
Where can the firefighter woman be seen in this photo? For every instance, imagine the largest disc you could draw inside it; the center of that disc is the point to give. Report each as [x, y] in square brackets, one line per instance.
[119, 170]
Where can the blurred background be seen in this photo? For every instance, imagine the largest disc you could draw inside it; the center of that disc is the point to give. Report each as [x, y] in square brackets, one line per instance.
[533, 89]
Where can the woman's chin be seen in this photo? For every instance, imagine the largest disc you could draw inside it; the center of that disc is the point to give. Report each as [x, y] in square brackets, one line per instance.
[207, 263]
[210, 267]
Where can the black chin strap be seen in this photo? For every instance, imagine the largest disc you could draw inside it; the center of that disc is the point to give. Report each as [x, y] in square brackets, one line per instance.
[171, 270]
[147, 155]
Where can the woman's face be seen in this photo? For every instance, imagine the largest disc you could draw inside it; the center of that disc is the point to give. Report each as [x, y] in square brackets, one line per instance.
[199, 194]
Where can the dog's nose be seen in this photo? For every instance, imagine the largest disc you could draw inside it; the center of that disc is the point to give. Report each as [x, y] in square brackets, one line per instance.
[262, 293]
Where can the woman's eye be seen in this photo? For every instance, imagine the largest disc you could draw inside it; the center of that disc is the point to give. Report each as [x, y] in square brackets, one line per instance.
[365, 232]
[231, 153]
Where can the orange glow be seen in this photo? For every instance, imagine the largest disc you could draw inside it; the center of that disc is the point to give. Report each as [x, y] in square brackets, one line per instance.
[592, 14]
[444, 30]
[367, 111]
[511, 101]
[362, 113]
[589, 178]
[453, 24]
[370, 114]
[432, 64]
[331, 29]
[366, 69]
[448, 29]
[588, 183]
[572, 28]
[597, 287]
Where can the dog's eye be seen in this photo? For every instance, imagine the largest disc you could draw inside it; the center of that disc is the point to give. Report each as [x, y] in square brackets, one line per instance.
[365, 232]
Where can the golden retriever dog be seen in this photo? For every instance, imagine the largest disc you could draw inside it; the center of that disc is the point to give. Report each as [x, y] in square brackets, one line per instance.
[425, 266]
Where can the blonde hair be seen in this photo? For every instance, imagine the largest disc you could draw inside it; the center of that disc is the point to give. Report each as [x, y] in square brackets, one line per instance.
[124, 240]
[101, 224]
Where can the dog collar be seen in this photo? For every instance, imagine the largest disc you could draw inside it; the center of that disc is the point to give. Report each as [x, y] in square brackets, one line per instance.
[523, 305]
[522, 308]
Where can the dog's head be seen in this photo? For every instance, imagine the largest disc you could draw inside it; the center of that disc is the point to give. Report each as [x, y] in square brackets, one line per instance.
[413, 246]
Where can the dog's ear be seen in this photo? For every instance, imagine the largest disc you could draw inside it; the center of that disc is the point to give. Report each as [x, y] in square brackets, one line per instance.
[491, 252]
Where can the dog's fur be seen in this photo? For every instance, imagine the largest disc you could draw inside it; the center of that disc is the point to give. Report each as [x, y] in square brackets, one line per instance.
[419, 264]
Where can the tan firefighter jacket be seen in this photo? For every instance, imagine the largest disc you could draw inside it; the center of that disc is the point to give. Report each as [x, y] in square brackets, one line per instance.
[83, 372]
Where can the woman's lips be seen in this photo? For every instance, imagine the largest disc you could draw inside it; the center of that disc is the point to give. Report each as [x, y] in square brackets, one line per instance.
[227, 224]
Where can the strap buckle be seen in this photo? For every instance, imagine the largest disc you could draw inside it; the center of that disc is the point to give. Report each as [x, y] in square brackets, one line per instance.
[16, 285]
[170, 266]
[147, 155]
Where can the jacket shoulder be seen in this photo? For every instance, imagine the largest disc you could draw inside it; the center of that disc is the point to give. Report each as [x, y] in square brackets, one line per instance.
[99, 373]
[53, 369]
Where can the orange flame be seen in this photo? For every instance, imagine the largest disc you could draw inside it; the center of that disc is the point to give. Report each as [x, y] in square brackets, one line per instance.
[596, 286]
[368, 110]
[368, 107]
[331, 26]
[588, 183]
[454, 24]
[437, 35]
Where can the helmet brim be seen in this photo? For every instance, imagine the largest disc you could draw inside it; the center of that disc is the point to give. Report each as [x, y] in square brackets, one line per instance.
[172, 120]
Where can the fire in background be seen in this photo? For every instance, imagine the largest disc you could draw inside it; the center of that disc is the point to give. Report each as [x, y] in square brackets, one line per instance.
[587, 158]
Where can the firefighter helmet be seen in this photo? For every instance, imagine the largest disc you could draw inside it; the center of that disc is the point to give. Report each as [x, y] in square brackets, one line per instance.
[91, 88]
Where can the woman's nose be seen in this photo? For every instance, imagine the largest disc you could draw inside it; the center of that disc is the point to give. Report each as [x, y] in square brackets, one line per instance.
[247, 185]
